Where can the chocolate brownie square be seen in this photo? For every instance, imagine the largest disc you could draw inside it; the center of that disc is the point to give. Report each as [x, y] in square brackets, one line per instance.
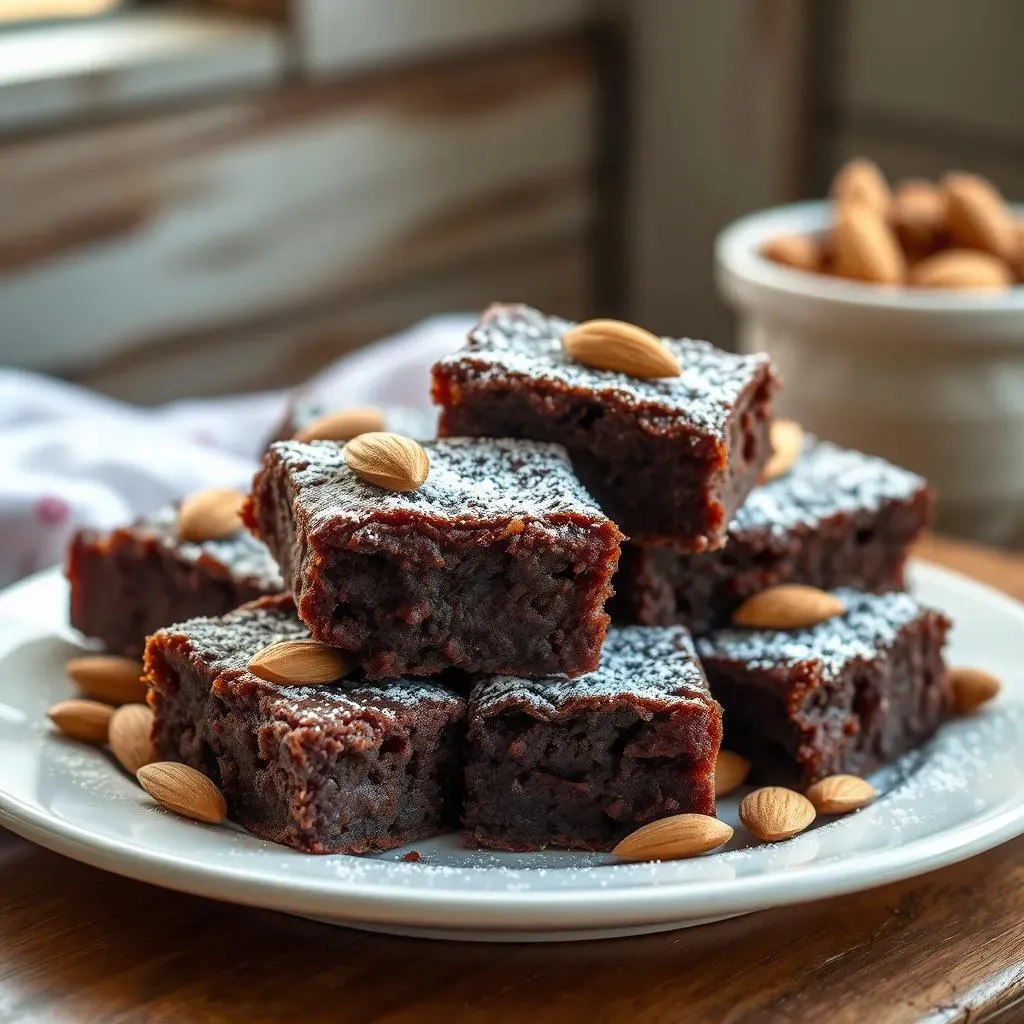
[837, 519]
[846, 695]
[668, 459]
[341, 768]
[580, 763]
[499, 562]
[127, 583]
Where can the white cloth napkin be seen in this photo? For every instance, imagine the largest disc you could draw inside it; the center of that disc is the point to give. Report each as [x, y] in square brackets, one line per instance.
[71, 458]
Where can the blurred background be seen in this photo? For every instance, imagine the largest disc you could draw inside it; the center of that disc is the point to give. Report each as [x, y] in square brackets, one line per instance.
[205, 198]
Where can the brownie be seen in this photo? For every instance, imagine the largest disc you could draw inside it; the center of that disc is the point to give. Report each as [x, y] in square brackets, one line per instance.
[669, 459]
[499, 562]
[837, 519]
[341, 768]
[305, 408]
[581, 763]
[129, 582]
[846, 695]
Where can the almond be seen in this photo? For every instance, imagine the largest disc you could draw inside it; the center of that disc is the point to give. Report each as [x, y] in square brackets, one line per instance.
[86, 720]
[788, 606]
[108, 678]
[962, 269]
[979, 217]
[300, 661]
[682, 835]
[803, 252]
[1018, 263]
[972, 687]
[388, 460]
[861, 181]
[210, 515]
[131, 737]
[774, 813]
[343, 425]
[620, 347]
[731, 771]
[183, 790]
[787, 444]
[864, 246]
[840, 794]
[919, 216]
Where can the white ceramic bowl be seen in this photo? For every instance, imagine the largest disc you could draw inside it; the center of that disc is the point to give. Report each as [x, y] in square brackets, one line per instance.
[932, 380]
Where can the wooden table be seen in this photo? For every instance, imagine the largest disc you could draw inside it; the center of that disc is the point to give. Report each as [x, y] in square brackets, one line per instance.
[78, 946]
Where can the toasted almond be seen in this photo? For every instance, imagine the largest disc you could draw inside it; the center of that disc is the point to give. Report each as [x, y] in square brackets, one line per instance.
[979, 217]
[343, 425]
[210, 514]
[788, 606]
[731, 771]
[972, 687]
[864, 247]
[105, 677]
[787, 444]
[682, 835]
[183, 790]
[620, 347]
[774, 813]
[840, 794]
[802, 252]
[131, 737]
[300, 661]
[919, 216]
[86, 720]
[388, 460]
[861, 181]
[962, 269]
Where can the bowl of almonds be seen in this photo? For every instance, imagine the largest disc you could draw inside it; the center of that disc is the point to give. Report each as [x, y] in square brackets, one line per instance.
[895, 313]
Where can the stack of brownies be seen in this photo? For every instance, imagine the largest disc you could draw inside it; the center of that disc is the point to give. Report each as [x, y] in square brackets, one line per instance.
[429, 641]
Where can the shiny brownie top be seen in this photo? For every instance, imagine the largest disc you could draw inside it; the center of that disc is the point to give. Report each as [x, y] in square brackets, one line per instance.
[471, 480]
[640, 666]
[222, 648]
[522, 342]
[826, 481]
[868, 630]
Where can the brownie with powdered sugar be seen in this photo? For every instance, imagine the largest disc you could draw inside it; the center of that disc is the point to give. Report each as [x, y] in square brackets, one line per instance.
[346, 767]
[838, 518]
[670, 459]
[127, 583]
[500, 562]
[580, 763]
[844, 696]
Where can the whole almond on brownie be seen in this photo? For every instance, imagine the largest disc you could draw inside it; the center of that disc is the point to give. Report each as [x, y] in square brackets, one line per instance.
[342, 425]
[864, 247]
[391, 461]
[979, 217]
[210, 514]
[621, 347]
[788, 606]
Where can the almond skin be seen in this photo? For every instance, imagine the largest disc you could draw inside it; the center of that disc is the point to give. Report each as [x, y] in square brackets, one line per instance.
[300, 661]
[962, 269]
[343, 425]
[390, 461]
[787, 444]
[183, 790]
[789, 606]
[210, 515]
[85, 720]
[979, 217]
[774, 813]
[682, 835]
[802, 252]
[861, 181]
[620, 347]
[731, 771]
[864, 247]
[108, 678]
[972, 687]
[920, 217]
[131, 737]
[840, 794]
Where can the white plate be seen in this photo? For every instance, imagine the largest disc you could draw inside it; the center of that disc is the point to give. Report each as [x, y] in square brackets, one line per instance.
[957, 796]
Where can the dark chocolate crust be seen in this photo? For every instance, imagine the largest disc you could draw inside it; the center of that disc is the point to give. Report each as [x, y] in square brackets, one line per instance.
[342, 768]
[669, 460]
[581, 763]
[130, 582]
[844, 696]
[500, 562]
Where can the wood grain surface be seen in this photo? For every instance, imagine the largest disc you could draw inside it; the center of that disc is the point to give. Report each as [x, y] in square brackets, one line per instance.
[78, 946]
